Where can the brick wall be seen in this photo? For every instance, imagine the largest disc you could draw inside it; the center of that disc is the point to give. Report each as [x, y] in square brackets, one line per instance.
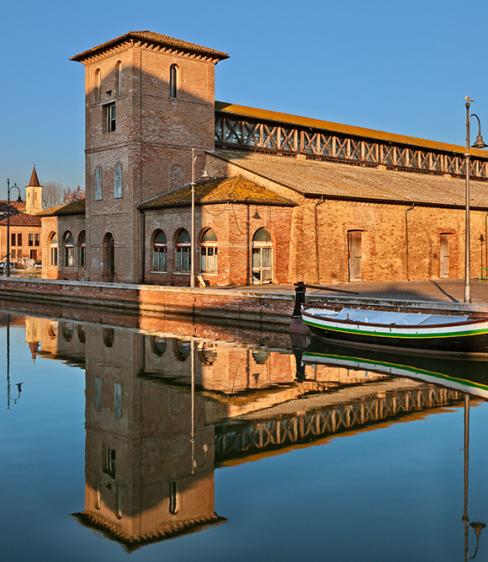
[153, 138]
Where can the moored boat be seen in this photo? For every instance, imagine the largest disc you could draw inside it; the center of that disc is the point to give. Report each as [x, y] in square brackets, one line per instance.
[428, 332]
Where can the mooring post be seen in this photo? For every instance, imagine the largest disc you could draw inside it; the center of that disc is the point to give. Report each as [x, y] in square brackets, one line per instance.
[299, 299]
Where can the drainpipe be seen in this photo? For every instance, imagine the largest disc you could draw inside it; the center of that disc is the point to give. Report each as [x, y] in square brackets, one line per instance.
[486, 240]
[317, 253]
[407, 255]
[143, 253]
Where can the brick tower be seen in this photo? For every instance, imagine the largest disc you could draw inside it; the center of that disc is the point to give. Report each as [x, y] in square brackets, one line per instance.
[149, 101]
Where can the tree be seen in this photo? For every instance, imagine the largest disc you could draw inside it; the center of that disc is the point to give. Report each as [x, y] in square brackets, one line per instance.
[74, 194]
[52, 194]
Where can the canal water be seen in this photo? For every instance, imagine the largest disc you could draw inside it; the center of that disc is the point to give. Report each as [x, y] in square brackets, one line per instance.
[149, 439]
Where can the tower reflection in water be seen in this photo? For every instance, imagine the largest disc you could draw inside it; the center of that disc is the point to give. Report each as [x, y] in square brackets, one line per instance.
[164, 411]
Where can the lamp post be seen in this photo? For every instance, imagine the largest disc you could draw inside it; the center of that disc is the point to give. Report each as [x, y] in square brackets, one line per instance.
[478, 143]
[19, 200]
[192, 245]
[477, 526]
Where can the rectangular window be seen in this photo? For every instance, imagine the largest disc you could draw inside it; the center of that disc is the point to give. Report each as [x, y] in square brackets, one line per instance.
[19, 239]
[182, 259]
[117, 400]
[110, 462]
[69, 256]
[31, 240]
[54, 255]
[83, 255]
[208, 259]
[37, 240]
[12, 239]
[98, 394]
[109, 117]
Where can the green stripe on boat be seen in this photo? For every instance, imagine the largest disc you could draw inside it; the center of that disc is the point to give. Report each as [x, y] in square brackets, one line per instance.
[394, 335]
[408, 368]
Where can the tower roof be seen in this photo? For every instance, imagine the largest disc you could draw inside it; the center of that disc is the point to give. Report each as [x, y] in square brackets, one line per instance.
[34, 180]
[152, 38]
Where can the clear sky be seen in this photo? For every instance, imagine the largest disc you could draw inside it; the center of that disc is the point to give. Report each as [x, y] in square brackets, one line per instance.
[403, 67]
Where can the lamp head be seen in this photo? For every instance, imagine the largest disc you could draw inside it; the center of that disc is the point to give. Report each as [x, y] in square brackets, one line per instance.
[478, 526]
[479, 142]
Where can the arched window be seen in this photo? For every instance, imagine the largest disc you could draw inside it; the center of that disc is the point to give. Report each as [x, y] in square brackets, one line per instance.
[208, 356]
[183, 251]
[53, 249]
[69, 249]
[108, 258]
[208, 251]
[176, 177]
[98, 183]
[81, 333]
[82, 249]
[118, 180]
[118, 77]
[173, 81]
[262, 257]
[52, 330]
[260, 356]
[173, 498]
[182, 349]
[160, 247]
[98, 84]
[158, 345]
[67, 330]
[108, 335]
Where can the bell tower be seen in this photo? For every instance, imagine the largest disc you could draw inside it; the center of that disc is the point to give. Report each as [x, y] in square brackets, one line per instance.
[149, 102]
[33, 194]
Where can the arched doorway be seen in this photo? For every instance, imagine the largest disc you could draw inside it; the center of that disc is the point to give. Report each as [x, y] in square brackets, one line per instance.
[108, 258]
[262, 257]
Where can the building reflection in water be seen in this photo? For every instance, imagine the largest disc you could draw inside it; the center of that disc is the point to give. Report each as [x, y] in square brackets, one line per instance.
[163, 412]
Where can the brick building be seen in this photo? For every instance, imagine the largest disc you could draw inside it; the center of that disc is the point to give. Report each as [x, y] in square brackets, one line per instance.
[25, 224]
[278, 198]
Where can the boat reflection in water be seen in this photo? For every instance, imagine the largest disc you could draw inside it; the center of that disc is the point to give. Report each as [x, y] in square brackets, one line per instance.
[165, 410]
[469, 377]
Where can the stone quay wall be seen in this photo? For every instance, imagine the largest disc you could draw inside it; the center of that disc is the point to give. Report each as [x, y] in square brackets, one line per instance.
[212, 303]
[234, 306]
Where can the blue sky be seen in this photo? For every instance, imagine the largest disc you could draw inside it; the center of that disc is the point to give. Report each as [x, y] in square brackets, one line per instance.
[398, 66]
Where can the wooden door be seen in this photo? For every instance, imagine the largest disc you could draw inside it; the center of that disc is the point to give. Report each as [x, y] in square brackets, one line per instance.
[355, 254]
[444, 256]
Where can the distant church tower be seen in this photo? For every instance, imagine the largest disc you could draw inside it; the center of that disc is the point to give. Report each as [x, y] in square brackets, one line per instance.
[33, 193]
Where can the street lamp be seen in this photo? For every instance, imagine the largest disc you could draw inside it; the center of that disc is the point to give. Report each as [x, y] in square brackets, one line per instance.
[204, 176]
[19, 200]
[478, 143]
[477, 526]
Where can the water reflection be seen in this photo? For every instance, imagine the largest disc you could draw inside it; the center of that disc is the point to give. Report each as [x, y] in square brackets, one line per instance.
[164, 410]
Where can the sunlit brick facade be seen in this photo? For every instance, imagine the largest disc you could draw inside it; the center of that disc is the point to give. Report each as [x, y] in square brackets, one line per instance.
[278, 198]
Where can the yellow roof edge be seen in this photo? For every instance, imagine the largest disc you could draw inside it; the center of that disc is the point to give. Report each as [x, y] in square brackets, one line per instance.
[290, 119]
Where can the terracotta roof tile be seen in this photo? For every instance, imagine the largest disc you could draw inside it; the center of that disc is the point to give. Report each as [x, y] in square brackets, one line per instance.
[342, 181]
[16, 206]
[22, 219]
[224, 190]
[72, 208]
[165, 531]
[156, 39]
[330, 126]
